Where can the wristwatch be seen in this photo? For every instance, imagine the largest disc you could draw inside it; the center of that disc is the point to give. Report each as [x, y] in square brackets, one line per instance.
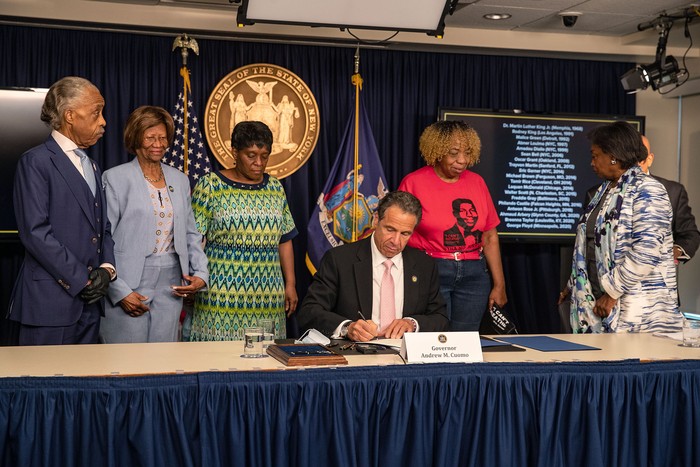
[344, 329]
[111, 271]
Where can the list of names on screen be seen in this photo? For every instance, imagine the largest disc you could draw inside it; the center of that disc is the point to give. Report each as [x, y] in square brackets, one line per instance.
[539, 192]
[537, 168]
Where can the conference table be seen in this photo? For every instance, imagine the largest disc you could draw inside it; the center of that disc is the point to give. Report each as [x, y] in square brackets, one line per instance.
[635, 401]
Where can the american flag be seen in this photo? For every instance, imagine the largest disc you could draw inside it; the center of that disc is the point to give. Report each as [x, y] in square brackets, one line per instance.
[198, 163]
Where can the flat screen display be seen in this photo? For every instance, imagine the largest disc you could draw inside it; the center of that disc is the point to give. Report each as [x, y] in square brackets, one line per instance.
[20, 129]
[537, 168]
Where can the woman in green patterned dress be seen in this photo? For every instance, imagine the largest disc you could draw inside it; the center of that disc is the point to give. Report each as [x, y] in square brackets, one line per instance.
[244, 216]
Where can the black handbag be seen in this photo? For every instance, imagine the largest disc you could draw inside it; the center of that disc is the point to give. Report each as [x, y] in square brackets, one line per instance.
[496, 321]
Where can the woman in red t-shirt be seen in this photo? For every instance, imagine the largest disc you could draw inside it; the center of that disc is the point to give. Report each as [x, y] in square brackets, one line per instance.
[459, 223]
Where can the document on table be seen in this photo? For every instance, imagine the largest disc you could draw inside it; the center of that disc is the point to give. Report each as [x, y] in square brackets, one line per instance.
[493, 345]
[546, 343]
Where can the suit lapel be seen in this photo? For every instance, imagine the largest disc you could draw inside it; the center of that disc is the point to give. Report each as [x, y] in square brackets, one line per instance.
[140, 185]
[410, 280]
[75, 181]
[363, 277]
[137, 176]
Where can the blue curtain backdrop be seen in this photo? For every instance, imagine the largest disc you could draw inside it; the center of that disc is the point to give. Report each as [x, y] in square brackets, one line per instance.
[402, 92]
[484, 414]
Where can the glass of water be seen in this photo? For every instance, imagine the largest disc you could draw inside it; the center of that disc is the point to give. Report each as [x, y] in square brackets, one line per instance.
[268, 327]
[691, 333]
[253, 342]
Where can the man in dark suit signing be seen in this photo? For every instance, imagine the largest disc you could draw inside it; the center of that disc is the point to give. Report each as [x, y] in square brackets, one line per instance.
[62, 223]
[352, 294]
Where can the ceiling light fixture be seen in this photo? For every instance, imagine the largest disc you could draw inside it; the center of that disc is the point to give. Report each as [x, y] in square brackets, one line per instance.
[388, 15]
[497, 16]
[663, 72]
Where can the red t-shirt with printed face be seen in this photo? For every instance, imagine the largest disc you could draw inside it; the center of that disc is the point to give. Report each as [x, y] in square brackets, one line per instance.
[455, 215]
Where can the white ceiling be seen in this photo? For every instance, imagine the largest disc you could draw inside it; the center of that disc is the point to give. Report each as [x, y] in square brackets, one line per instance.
[605, 17]
[606, 29]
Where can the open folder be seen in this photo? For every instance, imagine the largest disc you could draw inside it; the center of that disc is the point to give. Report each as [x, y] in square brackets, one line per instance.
[545, 343]
[493, 345]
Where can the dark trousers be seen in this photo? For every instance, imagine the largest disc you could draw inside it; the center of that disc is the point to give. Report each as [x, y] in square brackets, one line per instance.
[85, 331]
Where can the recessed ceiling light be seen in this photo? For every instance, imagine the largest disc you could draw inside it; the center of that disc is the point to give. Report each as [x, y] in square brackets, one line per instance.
[497, 16]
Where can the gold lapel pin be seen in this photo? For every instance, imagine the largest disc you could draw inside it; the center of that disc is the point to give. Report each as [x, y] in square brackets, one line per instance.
[414, 279]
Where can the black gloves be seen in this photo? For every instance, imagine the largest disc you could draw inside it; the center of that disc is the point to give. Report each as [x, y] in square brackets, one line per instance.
[99, 282]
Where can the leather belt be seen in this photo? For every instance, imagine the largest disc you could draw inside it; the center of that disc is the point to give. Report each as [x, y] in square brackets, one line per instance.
[455, 256]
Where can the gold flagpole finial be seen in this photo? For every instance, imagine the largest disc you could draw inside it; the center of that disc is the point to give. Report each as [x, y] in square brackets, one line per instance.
[185, 43]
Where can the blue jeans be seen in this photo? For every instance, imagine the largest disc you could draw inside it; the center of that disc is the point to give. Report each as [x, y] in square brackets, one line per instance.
[466, 286]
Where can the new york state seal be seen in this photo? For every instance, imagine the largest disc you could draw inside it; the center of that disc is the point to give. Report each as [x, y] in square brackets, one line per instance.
[272, 95]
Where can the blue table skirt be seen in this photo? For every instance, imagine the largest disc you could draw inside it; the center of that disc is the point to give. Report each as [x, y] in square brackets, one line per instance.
[501, 414]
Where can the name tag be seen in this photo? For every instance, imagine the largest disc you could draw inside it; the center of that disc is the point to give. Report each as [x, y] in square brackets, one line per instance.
[441, 347]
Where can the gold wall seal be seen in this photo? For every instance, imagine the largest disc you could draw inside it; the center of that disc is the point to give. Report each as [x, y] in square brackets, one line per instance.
[274, 96]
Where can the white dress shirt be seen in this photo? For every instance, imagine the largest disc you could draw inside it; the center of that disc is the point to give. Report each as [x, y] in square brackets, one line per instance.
[377, 274]
[68, 146]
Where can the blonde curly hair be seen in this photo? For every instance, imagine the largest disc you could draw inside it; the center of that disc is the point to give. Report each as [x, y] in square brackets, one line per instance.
[436, 140]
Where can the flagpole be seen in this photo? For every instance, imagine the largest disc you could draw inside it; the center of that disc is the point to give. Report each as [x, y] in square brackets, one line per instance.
[184, 43]
[357, 81]
[329, 225]
[185, 73]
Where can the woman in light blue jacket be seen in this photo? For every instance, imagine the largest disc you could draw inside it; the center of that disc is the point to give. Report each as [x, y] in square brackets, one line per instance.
[158, 250]
[623, 276]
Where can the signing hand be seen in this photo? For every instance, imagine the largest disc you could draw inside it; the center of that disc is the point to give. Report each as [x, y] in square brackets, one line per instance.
[362, 331]
[194, 284]
[397, 328]
[133, 304]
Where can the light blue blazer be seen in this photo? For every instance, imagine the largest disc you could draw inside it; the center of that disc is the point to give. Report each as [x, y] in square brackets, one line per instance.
[133, 225]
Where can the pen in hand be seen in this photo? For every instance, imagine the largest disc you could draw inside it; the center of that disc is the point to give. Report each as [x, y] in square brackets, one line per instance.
[362, 317]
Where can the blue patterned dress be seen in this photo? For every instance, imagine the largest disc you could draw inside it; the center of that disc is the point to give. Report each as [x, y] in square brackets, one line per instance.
[634, 260]
[243, 225]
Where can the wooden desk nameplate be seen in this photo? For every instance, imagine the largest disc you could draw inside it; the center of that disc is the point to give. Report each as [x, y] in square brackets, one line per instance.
[305, 354]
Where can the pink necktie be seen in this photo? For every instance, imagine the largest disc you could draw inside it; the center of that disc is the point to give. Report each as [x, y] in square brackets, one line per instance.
[387, 310]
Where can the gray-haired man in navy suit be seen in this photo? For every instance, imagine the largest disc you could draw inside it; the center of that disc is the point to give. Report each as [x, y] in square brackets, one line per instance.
[61, 217]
